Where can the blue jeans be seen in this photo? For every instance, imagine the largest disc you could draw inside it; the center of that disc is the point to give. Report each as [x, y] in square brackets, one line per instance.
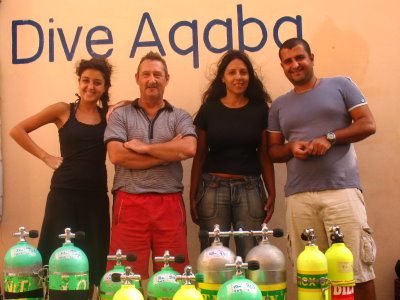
[227, 202]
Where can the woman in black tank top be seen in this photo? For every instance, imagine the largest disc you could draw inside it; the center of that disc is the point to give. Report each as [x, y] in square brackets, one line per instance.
[78, 193]
[231, 165]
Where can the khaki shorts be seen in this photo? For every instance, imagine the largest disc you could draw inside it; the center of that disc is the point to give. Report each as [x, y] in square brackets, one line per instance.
[323, 209]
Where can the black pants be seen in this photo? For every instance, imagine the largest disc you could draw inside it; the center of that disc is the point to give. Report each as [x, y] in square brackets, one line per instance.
[86, 211]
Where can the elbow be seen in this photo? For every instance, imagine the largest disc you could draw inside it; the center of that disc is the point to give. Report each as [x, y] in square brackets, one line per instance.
[114, 159]
[188, 153]
[14, 132]
[190, 150]
[18, 132]
[372, 129]
[270, 154]
[274, 156]
[114, 152]
[369, 126]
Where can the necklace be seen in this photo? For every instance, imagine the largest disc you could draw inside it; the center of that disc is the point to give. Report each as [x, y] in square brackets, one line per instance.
[309, 89]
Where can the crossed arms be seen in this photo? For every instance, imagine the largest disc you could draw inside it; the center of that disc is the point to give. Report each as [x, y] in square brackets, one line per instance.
[136, 154]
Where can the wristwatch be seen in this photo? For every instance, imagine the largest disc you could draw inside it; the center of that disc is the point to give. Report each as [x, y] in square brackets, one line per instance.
[331, 137]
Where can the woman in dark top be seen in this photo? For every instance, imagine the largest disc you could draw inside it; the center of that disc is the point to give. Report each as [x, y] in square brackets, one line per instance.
[226, 186]
[78, 192]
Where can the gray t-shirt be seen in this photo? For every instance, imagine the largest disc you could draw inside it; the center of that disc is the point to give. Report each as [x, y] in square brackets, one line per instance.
[313, 114]
[131, 122]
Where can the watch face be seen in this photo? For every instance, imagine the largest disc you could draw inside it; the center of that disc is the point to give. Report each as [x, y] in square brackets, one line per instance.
[331, 137]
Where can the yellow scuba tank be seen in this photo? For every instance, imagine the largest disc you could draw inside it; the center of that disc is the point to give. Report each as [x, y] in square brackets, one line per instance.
[340, 267]
[312, 270]
[187, 291]
[128, 290]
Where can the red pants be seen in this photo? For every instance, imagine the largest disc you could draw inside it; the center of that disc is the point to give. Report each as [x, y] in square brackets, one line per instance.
[145, 222]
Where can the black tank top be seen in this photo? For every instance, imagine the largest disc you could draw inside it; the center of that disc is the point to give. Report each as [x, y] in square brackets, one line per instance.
[84, 154]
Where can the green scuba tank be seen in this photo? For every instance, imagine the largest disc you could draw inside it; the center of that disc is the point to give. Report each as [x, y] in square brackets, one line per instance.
[107, 287]
[22, 265]
[127, 291]
[239, 287]
[69, 270]
[163, 284]
[187, 291]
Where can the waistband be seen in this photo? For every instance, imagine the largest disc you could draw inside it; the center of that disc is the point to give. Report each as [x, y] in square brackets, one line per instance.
[245, 178]
[122, 193]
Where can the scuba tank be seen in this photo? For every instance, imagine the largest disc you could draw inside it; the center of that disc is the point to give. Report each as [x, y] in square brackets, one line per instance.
[107, 287]
[187, 291]
[239, 288]
[312, 270]
[340, 267]
[22, 265]
[127, 290]
[271, 276]
[211, 264]
[163, 284]
[69, 270]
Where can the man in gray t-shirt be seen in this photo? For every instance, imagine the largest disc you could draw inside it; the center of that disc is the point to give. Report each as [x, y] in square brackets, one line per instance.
[312, 128]
[146, 141]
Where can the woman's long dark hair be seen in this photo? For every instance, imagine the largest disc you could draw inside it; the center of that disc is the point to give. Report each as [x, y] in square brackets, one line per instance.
[217, 89]
[103, 66]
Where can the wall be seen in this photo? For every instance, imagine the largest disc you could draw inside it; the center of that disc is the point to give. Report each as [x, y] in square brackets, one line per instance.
[356, 38]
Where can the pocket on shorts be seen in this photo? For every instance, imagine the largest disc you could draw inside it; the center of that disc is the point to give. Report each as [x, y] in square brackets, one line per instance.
[118, 211]
[206, 200]
[368, 247]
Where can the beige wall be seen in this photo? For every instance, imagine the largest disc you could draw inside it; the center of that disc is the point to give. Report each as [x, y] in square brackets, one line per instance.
[355, 38]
